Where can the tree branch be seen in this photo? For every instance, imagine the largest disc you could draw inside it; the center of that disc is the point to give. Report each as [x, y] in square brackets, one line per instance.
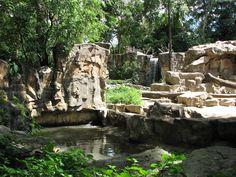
[220, 81]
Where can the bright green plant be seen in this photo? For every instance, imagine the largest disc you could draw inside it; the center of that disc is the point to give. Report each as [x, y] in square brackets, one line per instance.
[123, 94]
[171, 164]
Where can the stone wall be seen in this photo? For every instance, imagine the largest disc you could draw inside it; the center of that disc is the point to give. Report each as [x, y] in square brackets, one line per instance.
[77, 83]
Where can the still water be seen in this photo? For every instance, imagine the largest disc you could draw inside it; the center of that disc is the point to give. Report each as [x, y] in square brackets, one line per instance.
[98, 141]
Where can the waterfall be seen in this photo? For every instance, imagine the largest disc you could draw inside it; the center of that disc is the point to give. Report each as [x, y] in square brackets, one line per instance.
[153, 70]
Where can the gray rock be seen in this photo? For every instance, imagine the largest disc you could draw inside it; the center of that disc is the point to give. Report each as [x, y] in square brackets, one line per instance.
[164, 110]
[178, 131]
[4, 130]
[212, 161]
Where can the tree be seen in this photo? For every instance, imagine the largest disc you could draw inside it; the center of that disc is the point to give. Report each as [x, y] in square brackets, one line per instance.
[38, 26]
[214, 19]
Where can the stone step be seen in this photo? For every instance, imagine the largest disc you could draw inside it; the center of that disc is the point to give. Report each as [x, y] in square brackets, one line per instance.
[223, 95]
[126, 108]
[161, 94]
[163, 87]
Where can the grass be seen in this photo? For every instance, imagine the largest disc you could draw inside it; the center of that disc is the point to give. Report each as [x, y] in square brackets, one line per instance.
[124, 94]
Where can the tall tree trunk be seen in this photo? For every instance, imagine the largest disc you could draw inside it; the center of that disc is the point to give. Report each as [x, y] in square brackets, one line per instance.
[208, 6]
[170, 32]
[41, 30]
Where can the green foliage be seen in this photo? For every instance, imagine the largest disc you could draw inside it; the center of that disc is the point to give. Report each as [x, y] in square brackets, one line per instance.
[23, 110]
[74, 163]
[31, 29]
[13, 68]
[143, 24]
[24, 114]
[171, 164]
[15, 115]
[123, 94]
[128, 70]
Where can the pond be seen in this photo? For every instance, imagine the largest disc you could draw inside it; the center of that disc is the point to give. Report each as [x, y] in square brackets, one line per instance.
[101, 142]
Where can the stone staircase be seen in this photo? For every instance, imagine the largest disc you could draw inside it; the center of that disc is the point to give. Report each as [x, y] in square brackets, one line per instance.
[189, 90]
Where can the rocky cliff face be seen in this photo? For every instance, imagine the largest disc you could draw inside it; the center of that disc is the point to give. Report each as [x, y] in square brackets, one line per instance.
[217, 58]
[76, 84]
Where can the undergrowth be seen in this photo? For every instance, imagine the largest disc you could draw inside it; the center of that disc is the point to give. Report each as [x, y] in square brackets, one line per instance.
[74, 163]
[123, 94]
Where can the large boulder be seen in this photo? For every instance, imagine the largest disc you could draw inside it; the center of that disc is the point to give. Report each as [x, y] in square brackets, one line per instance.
[211, 161]
[216, 58]
[172, 78]
[176, 63]
[84, 77]
[180, 131]
[196, 99]
[211, 49]
[76, 83]
[13, 114]
[139, 128]
[199, 65]
[164, 110]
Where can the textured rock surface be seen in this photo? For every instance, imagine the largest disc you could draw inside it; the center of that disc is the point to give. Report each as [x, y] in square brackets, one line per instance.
[58, 118]
[196, 99]
[164, 110]
[179, 131]
[176, 63]
[164, 87]
[211, 161]
[216, 112]
[216, 58]
[77, 82]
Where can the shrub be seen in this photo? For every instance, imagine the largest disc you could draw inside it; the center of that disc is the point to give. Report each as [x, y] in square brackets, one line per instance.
[74, 163]
[123, 94]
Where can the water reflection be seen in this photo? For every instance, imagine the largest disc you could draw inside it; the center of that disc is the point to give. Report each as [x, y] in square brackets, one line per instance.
[95, 140]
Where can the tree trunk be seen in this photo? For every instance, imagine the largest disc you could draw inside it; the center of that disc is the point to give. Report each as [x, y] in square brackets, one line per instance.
[221, 82]
[41, 30]
[170, 32]
[208, 7]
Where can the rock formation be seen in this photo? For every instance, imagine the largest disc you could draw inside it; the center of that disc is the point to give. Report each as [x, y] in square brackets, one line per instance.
[211, 161]
[74, 86]
[196, 103]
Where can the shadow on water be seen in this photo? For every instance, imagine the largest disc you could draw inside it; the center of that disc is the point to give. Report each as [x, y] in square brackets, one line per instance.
[103, 141]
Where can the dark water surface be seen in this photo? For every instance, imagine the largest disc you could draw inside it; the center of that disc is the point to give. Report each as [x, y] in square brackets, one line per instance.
[106, 141]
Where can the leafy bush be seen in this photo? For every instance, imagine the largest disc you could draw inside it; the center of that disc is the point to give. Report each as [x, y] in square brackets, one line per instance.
[128, 70]
[13, 68]
[123, 94]
[15, 161]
